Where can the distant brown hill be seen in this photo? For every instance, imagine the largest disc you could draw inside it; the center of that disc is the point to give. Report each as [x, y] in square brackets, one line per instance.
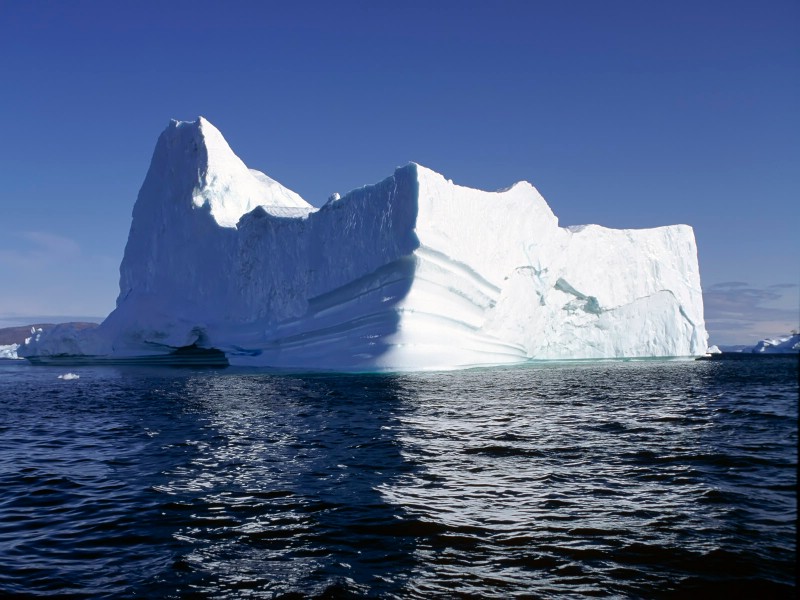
[17, 335]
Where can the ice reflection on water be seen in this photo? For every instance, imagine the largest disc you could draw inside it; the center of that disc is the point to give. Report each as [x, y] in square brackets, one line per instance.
[285, 484]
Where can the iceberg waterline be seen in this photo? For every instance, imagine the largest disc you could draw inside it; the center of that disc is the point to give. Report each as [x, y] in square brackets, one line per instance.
[411, 273]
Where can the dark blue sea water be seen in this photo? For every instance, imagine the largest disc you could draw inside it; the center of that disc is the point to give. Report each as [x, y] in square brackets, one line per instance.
[618, 479]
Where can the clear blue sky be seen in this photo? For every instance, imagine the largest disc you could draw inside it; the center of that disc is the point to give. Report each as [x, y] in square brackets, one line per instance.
[622, 113]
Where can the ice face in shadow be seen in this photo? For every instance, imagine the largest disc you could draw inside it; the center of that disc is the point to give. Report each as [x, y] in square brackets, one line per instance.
[411, 273]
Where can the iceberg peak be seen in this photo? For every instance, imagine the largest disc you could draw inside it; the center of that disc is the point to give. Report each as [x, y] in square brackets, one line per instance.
[222, 183]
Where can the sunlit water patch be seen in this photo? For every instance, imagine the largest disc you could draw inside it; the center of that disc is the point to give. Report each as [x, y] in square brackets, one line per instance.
[638, 479]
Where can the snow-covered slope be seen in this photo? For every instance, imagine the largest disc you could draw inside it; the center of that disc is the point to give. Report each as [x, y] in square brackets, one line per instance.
[787, 344]
[783, 345]
[414, 272]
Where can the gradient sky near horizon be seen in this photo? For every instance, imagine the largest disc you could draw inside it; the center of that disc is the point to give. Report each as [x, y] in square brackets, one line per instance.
[624, 113]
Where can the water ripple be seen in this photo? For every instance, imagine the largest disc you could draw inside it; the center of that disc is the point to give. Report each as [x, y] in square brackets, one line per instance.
[643, 479]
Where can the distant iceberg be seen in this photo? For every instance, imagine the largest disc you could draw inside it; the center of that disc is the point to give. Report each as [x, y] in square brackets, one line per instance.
[9, 351]
[411, 273]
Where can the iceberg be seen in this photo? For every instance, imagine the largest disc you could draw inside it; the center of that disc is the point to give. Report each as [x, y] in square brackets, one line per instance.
[9, 351]
[412, 273]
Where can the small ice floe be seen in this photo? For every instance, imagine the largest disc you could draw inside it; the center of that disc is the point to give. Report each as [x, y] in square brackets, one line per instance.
[69, 376]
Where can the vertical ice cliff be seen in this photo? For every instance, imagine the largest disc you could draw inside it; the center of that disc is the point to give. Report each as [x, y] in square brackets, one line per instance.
[414, 272]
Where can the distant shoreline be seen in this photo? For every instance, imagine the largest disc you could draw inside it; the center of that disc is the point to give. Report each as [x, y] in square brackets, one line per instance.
[18, 334]
[747, 355]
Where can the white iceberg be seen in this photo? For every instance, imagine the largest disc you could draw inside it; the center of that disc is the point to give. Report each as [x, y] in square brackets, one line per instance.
[9, 351]
[411, 273]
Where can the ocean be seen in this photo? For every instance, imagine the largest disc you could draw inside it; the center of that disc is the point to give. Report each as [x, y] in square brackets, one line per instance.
[630, 479]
